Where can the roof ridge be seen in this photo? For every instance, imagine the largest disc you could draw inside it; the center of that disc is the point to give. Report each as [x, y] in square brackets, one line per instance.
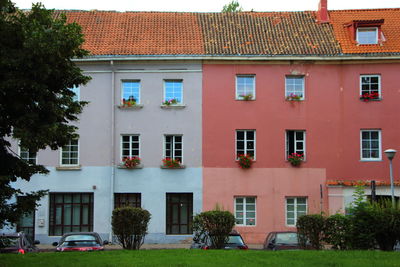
[364, 10]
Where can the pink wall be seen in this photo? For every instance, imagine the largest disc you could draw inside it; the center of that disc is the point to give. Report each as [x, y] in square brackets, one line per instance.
[331, 114]
[270, 186]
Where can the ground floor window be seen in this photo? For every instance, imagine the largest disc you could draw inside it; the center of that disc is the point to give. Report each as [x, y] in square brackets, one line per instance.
[70, 212]
[245, 210]
[179, 213]
[295, 207]
[127, 200]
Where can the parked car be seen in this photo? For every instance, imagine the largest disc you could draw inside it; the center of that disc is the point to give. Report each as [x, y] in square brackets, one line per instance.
[397, 246]
[80, 241]
[281, 241]
[235, 241]
[17, 243]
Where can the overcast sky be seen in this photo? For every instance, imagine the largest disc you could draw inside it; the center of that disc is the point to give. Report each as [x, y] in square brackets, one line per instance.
[206, 5]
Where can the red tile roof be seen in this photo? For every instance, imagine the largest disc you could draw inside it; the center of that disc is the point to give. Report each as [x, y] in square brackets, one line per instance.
[390, 29]
[139, 33]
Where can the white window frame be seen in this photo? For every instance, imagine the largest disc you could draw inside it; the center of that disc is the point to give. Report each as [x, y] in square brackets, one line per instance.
[253, 90]
[245, 141]
[173, 150]
[294, 211]
[245, 210]
[165, 89]
[77, 91]
[78, 158]
[303, 85]
[35, 158]
[295, 143]
[370, 29]
[123, 82]
[380, 144]
[371, 76]
[130, 145]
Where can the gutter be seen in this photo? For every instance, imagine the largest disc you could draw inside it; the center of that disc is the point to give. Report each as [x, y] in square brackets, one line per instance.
[112, 180]
[233, 57]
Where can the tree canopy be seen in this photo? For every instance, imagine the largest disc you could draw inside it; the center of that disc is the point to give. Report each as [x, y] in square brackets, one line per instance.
[233, 6]
[36, 103]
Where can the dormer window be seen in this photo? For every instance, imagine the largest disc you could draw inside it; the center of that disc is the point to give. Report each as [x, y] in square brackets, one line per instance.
[367, 35]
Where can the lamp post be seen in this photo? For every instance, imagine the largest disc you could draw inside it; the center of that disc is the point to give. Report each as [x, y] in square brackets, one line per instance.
[390, 155]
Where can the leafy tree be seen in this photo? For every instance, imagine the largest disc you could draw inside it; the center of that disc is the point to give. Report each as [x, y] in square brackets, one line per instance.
[130, 226]
[36, 105]
[233, 6]
[214, 225]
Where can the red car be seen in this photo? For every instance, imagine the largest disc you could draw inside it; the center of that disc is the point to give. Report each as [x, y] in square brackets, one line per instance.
[80, 241]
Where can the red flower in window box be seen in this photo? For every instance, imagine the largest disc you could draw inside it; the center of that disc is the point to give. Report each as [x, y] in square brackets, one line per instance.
[369, 96]
[130, 102]
[245, 161]
[171, 163]
[293, 97]
[131, 162]
[295, 159]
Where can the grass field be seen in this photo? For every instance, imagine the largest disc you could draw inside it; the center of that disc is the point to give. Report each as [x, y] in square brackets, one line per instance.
[182, 257]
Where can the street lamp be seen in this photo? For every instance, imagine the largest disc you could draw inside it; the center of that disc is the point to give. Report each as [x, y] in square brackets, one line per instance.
[390, 155]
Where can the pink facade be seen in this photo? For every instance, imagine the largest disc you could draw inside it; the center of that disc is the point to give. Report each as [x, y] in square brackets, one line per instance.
[332, 115]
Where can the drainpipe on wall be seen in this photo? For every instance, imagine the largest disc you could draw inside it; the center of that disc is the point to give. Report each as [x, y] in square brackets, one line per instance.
[112, 145]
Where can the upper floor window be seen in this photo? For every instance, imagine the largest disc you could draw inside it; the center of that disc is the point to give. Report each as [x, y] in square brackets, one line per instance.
[130, 93]
[371, 145]
[129, 146]
[296, 142]
[70, 153]
[245, 87]
[294, 87]
[246, 143]
[245, 210]
[366, 35]
[173, 92]
[173, 147]
[76, 91]
[27, 156]
[295, 207]
[370, 86]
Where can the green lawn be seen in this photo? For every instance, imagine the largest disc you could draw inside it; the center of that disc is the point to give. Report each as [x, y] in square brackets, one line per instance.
[181, 257]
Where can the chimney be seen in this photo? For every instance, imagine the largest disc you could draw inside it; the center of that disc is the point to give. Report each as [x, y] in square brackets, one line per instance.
[322, 13]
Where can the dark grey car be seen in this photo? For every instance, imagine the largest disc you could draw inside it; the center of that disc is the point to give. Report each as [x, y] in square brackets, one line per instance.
[235, 241]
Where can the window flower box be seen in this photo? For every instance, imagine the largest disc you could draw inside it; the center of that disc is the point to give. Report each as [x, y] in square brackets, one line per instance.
[294, 97]
[129, 103]
[247, 97]
[295, 159]
[245, 161]
[131, 162]
[169, 163]
[170, 102]
[370, 96]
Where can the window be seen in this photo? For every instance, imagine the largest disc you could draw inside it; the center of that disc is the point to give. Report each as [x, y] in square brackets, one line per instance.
[246, 143]
[296, 142]
[127, 200]
[370, 84]
[245, 87]
[70, 153]
[367, 35]
[245, 210]
[295, 207]
[294, 87]
[129, 146]
[173, 90]
[179, 213]
[370, 145]
[26, 155]
[76, 91]
[173, 147]
[131, 91]
[70, 212]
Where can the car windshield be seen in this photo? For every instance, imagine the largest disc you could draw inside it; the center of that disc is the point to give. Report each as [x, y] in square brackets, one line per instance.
[286, 238]
[235, 239]
[9, 241]
[80, 237]
[80, 243]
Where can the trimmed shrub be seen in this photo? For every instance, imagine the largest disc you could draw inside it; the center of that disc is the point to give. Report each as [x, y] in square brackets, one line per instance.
[337, 231]
[130, 226]
[213, 225]
[310, 229]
